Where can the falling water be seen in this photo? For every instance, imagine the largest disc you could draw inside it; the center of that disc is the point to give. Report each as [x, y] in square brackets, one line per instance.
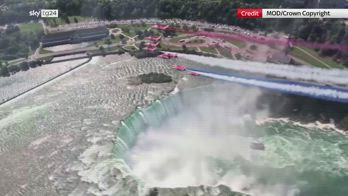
[203, 137]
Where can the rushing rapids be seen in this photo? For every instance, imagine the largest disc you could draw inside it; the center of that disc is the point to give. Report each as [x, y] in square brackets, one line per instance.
[203, 136]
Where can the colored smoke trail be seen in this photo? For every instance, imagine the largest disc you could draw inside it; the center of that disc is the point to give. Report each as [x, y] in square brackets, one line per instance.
[326, 93]
[305, 73]
[271, 41]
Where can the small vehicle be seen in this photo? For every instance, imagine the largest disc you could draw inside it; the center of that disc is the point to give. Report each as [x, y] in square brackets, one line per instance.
[194, 74]
[180, 67]
[168, 56]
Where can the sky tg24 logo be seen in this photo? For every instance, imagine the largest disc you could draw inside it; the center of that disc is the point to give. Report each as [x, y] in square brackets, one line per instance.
[44, 13]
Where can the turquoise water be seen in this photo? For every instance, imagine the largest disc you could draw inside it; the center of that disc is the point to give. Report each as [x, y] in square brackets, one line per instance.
[313, 159]
[297, 160]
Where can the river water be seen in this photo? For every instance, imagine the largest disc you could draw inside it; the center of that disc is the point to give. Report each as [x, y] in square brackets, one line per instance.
[203, 137]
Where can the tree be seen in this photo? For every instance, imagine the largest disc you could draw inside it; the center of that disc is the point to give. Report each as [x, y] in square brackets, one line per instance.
[12, 29]
[125, 29]
[238, 56]
[142, 45]
[24, 66]
[184, 47]
[54, 23]
[253, 47]
[152, 32]
[102, 50]
[13, 69]
[140, 34]
[113, 25]
[107, 41]
[4, 71]
[185, 27]
[67, 20]
[76, 20]
[121, 36]
[32, 64]
[194, 28]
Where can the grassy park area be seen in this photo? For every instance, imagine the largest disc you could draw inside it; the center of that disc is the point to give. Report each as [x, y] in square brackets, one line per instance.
[133, 30]
[237, 43]
[313, 58]
[209, 49]
[54, 22]
[31, 27]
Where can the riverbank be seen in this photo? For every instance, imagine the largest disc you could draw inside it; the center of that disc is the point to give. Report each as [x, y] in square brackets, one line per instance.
[305, 110]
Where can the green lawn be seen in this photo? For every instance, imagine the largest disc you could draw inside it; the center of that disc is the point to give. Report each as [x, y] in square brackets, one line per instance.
[209, 50]
[113, 41]
[59, 21]
[131, 30]
[178, 38]
[167, 47]
[326, 60]
[116, 40]
[131, 48]
[196, 41]
[225, 52]
[31, 27]
[164, 47]
[237, 43]
[313, 58]
[80, 18]
[44, 51]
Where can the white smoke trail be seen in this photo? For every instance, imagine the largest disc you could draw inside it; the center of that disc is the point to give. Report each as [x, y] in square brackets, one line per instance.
[325, 93]
[332, 76]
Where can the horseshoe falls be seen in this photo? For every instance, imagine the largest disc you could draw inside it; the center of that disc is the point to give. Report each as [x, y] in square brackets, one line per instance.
[196, 141]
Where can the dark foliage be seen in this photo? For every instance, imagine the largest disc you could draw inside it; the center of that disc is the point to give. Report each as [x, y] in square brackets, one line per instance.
[155, 78]
[304, 109]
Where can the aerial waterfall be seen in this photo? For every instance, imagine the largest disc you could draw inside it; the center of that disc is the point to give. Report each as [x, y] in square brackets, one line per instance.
[202, 138]
[143, 118]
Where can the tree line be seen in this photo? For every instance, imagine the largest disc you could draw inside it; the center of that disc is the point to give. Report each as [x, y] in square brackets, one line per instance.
[331, 31]
[217, 11]
[10, 69]
[17, 44]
